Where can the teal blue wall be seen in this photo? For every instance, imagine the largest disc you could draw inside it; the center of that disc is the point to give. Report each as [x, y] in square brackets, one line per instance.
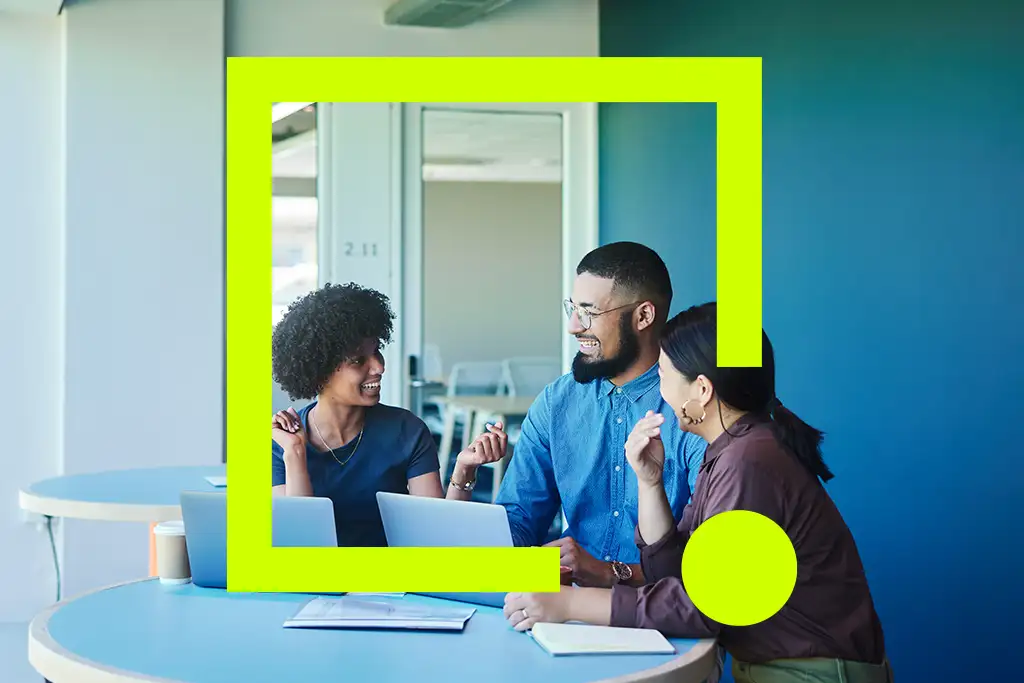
[893, 286]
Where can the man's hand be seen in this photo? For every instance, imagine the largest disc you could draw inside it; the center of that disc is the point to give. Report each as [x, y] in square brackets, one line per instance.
[584, 569]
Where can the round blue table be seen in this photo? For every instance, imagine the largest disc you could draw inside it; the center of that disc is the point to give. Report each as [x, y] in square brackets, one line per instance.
[150, 495]
[132, 495]
[146, 631]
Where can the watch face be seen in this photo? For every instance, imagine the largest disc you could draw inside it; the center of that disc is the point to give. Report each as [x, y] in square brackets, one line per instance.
[622, 571]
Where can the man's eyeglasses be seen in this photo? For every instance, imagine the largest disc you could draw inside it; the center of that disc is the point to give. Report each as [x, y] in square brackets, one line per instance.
[586, 317]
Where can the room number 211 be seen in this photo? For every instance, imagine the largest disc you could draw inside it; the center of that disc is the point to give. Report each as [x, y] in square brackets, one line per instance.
[361, 249]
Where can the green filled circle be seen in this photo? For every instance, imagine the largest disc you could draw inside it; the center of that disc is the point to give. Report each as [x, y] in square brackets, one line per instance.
[739, 568]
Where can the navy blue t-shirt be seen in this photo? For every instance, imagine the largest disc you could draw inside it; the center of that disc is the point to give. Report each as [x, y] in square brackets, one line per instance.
[396, 446]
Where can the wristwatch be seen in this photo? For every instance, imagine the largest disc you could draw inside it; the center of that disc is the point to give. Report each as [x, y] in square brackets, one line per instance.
[623, 572]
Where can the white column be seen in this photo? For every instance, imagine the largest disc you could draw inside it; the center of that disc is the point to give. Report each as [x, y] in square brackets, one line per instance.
[144, 259]
[361, 212]
[31, 281]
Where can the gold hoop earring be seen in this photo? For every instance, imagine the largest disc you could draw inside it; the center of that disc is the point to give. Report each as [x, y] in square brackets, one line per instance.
[692, 420]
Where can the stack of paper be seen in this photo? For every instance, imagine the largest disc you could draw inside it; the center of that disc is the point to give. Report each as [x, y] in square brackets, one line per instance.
[578, 639]
[353, 612]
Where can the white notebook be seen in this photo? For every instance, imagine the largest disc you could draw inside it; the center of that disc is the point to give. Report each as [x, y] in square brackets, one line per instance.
[581, 639]
[357, 612]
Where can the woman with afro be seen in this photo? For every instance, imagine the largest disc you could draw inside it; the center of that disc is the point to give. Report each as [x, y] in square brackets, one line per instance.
[345, 444]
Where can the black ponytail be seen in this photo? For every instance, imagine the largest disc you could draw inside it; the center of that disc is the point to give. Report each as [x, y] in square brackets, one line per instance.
[801, 439]
[690, 340]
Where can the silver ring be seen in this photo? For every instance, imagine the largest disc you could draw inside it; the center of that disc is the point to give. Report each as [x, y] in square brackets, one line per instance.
[525, 615]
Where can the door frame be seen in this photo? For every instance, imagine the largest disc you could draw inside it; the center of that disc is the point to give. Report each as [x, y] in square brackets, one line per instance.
[356, 209]
[579, 210]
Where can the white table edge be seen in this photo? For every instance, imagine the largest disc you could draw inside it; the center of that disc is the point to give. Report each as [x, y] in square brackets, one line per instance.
[59, 665]
[110, 512]
[702, 654]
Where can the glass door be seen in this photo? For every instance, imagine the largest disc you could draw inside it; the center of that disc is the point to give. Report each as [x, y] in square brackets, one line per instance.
[499, 204]
[295, 164]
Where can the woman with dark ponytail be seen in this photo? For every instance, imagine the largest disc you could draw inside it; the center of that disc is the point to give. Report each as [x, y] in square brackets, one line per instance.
[760, 457]
[690, 341]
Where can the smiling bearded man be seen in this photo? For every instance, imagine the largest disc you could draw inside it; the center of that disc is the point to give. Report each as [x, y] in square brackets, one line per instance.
[571, 451]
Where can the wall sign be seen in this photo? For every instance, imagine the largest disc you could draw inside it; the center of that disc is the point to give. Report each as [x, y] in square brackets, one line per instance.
[360, 249]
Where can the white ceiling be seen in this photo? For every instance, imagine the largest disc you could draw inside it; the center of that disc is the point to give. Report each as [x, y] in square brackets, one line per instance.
[457, 145]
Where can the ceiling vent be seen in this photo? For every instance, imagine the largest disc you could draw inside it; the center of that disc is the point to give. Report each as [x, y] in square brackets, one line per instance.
[439, 13]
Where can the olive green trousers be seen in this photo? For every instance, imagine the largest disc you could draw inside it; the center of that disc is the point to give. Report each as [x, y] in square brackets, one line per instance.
[812, 671]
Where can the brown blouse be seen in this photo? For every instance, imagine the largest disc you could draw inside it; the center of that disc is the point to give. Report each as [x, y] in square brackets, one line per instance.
[830, 613]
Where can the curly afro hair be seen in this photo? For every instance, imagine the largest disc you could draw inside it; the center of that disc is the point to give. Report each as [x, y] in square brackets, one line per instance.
[323, 329]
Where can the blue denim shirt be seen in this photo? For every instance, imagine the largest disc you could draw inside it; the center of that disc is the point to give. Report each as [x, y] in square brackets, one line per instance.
[571, 453]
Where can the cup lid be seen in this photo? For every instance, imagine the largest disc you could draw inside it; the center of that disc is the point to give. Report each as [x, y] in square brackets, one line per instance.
[171, 528]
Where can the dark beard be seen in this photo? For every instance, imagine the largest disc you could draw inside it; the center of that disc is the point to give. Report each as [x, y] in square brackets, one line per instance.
[585, 371]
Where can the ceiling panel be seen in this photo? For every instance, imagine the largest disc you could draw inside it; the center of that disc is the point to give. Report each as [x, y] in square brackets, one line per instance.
[459, 145]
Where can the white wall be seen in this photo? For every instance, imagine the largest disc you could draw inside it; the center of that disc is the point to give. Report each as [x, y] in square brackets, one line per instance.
[142, 337]
[37, 8]
[145, 234]
[492, 259]
[329, 28]
[31, 285]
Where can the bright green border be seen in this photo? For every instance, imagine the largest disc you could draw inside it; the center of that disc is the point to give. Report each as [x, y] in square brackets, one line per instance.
[253, 84]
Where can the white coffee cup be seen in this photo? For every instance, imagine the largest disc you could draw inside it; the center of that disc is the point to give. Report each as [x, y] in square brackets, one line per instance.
[171, 553]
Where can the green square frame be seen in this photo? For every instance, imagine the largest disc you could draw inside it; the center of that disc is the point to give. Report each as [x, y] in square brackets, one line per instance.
[253, 84]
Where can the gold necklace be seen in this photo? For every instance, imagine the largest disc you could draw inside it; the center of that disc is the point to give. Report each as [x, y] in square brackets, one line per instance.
[359, 440]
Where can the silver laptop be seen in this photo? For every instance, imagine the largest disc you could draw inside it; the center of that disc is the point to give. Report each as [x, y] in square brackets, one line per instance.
[421, 522]
[303, 522]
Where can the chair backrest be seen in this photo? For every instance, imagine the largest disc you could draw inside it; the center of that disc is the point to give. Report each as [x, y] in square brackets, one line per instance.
[527, 376]
[475, 378]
